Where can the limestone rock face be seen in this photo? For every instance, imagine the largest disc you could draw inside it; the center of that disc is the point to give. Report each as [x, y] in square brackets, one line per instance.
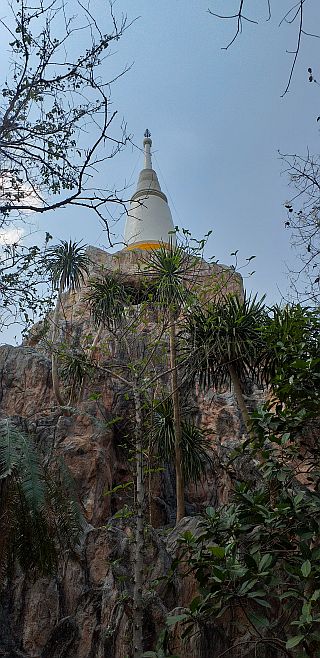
[25, 378]
[85, 611]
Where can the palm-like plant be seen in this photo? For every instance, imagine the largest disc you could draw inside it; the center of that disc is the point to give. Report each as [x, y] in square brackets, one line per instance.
[75, 368]
[108, 298]
[226, 345]
[68, 264]
[194, 444]
[38, 512]
[169, 267]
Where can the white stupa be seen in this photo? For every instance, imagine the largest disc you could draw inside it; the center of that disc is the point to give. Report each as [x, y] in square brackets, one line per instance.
[149, 221]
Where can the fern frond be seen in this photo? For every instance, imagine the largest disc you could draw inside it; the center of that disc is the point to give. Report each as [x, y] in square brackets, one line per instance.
[9, 449]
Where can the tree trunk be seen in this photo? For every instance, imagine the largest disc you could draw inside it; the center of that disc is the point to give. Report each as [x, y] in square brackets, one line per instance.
[54, 365]
[95, 341]
[274, 484]
[176, 422]
[137, 619]
[92, 352]
[239, 396]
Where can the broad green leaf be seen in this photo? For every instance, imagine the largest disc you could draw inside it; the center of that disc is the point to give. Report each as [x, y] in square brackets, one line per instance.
[315, 595]
[265, 561]
[298, 498]
[265, 604]
[258, 621]
[294, 641]
[258, 592]
[288, 594]
[175, 619]
[217, 551]
[306, 568]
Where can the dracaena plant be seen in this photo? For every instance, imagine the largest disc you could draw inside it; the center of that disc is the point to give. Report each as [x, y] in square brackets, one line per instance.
[68, 265]
[226, 345]
[195, 446]
[169, 268]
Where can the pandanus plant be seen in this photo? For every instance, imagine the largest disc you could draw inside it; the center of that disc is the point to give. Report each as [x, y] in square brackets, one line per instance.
[226, 346]
[68, 264]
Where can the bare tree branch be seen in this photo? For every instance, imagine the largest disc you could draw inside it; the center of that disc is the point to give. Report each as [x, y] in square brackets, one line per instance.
[295, 14]
[303, 220]
[55, 124]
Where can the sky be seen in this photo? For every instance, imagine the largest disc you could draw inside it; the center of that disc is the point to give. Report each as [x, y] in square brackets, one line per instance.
[217, 119]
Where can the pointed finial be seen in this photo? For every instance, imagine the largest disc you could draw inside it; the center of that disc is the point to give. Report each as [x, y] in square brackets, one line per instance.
[147, 143]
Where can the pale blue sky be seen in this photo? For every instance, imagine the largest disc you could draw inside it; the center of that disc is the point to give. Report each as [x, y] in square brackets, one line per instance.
[217, 120]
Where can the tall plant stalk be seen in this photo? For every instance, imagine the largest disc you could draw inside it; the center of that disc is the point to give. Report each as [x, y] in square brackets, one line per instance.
[176, 419]
[139, 548]
[54, 364]
[239, 397]
[68, 264]
[169, 266]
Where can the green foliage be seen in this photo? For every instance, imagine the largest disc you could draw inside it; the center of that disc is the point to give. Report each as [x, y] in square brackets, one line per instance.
[258, 555]
[108, 298]
[194, 443]
[119, 487]
[170, 267]
[74, 367]
[221, 334]
[292, 360]
[38, 509]
[68, 264]
[262, 560]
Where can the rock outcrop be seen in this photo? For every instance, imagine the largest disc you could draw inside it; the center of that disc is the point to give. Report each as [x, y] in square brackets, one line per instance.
[85, 611]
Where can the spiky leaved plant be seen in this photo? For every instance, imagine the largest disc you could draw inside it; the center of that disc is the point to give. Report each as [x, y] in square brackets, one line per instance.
[108, 297]
[68, 264]
[168, 267]
[195, 446]
[226, 345]
[75, 368]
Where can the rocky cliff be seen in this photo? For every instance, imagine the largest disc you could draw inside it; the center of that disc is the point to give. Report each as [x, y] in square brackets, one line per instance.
[85, 611]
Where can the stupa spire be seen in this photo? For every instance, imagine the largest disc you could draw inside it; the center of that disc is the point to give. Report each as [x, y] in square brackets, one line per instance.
[147, 143]
[149, 221]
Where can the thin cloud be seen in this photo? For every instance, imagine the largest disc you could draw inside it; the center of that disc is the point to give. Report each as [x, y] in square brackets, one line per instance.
[9, 236]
